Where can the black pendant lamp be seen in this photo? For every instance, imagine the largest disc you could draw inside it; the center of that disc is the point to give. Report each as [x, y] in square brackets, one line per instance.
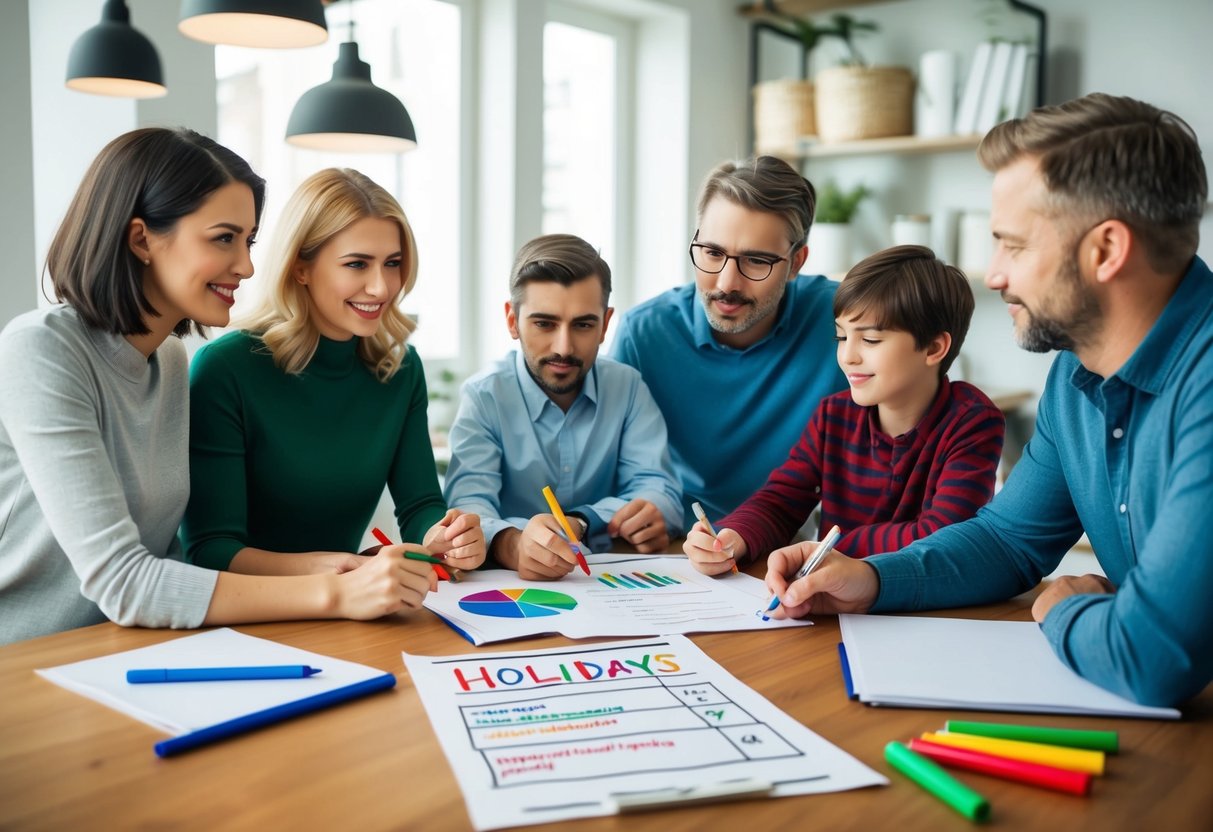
[349, 113]
[276, 24]
[114, 58]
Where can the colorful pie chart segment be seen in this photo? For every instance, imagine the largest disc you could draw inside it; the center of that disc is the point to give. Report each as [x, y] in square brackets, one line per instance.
[517, 603]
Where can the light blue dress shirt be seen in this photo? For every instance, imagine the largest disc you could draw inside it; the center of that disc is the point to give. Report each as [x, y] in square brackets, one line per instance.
[1130, 460]
[733, 414]
[509, 440]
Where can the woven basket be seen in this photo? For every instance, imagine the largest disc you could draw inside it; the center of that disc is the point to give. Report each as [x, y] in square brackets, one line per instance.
[783, 113]
[857, 102]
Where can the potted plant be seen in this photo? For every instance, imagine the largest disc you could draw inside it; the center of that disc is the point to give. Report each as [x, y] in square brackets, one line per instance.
[830, 234]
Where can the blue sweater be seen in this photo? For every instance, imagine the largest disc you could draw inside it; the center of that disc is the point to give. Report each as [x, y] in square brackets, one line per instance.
[732, 415]
[1130, 460]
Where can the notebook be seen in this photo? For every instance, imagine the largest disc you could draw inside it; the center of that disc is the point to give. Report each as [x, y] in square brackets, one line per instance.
[916, 662]
[184, 707]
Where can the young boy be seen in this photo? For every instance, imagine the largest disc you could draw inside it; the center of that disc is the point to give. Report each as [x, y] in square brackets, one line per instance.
[905, 451]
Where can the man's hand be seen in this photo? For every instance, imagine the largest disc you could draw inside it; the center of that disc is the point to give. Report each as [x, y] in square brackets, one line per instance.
[538, 553]
[713, 555]
[1064, 587]
[839, 584]
[641, 524]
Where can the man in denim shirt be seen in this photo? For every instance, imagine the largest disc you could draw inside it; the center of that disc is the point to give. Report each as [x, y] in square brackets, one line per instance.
[1096, 212]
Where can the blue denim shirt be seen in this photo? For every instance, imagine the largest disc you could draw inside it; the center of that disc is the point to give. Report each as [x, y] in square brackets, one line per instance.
[509, 440]
[733, 414]
[1130, 460]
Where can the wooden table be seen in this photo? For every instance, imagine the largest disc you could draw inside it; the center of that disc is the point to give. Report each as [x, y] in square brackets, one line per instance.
[67, 762]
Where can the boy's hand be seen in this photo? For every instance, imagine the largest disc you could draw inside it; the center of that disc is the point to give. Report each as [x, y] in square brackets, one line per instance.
[713, 556]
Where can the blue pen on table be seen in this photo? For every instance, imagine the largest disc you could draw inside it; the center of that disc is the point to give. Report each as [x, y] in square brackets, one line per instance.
[823, 548]
[219, 674]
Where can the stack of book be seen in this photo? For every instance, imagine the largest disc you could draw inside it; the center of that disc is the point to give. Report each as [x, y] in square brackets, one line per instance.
[994, 90]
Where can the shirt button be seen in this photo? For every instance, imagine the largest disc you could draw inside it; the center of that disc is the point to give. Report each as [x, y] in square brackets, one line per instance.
[1123, 508]
[817, 489]
[566, 469]
[1117, 433]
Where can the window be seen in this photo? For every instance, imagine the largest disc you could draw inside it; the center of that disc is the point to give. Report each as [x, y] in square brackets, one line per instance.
[414, 49]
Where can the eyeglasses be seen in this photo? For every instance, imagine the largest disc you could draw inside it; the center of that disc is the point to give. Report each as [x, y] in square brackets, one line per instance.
[710, 259]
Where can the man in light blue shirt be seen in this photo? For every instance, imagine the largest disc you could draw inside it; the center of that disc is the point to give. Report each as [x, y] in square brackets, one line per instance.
[738, 360]
[1096, 213]
[552, 413]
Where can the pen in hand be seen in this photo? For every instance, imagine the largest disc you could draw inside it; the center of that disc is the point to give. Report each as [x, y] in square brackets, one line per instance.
[558, 513]
[823, 548]
[703, 518]
[438, 570]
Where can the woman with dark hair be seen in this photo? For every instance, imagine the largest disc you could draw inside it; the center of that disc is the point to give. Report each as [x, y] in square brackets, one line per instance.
[94, 415]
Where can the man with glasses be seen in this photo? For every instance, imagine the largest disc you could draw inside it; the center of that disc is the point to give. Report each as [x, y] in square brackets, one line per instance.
[1096, 212]
[739, 360]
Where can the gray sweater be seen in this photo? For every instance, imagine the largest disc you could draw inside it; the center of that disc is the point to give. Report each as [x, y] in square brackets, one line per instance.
[94, 478]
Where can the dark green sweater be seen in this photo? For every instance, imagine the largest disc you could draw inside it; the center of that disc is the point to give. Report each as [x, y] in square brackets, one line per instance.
[298, 463]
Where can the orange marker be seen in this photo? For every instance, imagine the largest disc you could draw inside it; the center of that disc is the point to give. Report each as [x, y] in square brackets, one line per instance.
[568, 529]
[387, 541]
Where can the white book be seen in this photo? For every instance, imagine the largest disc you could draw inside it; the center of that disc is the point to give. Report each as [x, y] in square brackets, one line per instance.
[995, 87]
[918, 662]
[966, 113]
[1017, 75]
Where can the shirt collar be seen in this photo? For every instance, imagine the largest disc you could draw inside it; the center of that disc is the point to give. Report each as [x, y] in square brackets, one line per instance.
[537, 399]
[1156, 356]
[926, 424]
[702, 330]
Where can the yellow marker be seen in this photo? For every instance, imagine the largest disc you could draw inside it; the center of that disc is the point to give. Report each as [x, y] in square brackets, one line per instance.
[1074, 759]
[568, 529]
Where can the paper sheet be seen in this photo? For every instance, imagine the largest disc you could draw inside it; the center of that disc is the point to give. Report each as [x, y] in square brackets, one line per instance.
[920, 662]
[625, 595]
[548, 735]
[180, 707]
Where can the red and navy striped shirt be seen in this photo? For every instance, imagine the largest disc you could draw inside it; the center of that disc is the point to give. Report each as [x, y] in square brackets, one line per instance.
[883, 492]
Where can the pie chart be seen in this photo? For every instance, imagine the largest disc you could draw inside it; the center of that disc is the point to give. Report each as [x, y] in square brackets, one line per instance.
[517, 603]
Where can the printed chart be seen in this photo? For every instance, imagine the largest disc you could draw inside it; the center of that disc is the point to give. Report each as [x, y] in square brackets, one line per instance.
[517, 603]
[524, 730]
[625, 595]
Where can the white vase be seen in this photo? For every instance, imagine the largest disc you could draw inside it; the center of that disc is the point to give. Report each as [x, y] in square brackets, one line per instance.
[829, 249]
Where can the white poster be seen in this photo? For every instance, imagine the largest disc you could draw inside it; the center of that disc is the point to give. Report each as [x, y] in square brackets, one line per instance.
[548, 735]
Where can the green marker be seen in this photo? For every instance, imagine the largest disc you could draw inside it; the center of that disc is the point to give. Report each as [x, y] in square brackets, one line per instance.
[938, 782]
[419, 556]
[1071, 738]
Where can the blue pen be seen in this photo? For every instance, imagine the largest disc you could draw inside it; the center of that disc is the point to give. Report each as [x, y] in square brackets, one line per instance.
[823, 549]
[259, 719]
[219, 674]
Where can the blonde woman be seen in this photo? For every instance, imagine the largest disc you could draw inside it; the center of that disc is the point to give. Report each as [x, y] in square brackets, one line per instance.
[300, 418]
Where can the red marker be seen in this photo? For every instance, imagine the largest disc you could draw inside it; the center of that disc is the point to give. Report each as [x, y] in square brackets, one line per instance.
[1048, 777]
[387, 541]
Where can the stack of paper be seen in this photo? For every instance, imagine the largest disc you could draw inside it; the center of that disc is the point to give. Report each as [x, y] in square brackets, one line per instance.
[914, 662]
[179, 708]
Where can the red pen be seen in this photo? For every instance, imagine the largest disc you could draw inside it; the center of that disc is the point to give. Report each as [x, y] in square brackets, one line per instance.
[387, 541]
